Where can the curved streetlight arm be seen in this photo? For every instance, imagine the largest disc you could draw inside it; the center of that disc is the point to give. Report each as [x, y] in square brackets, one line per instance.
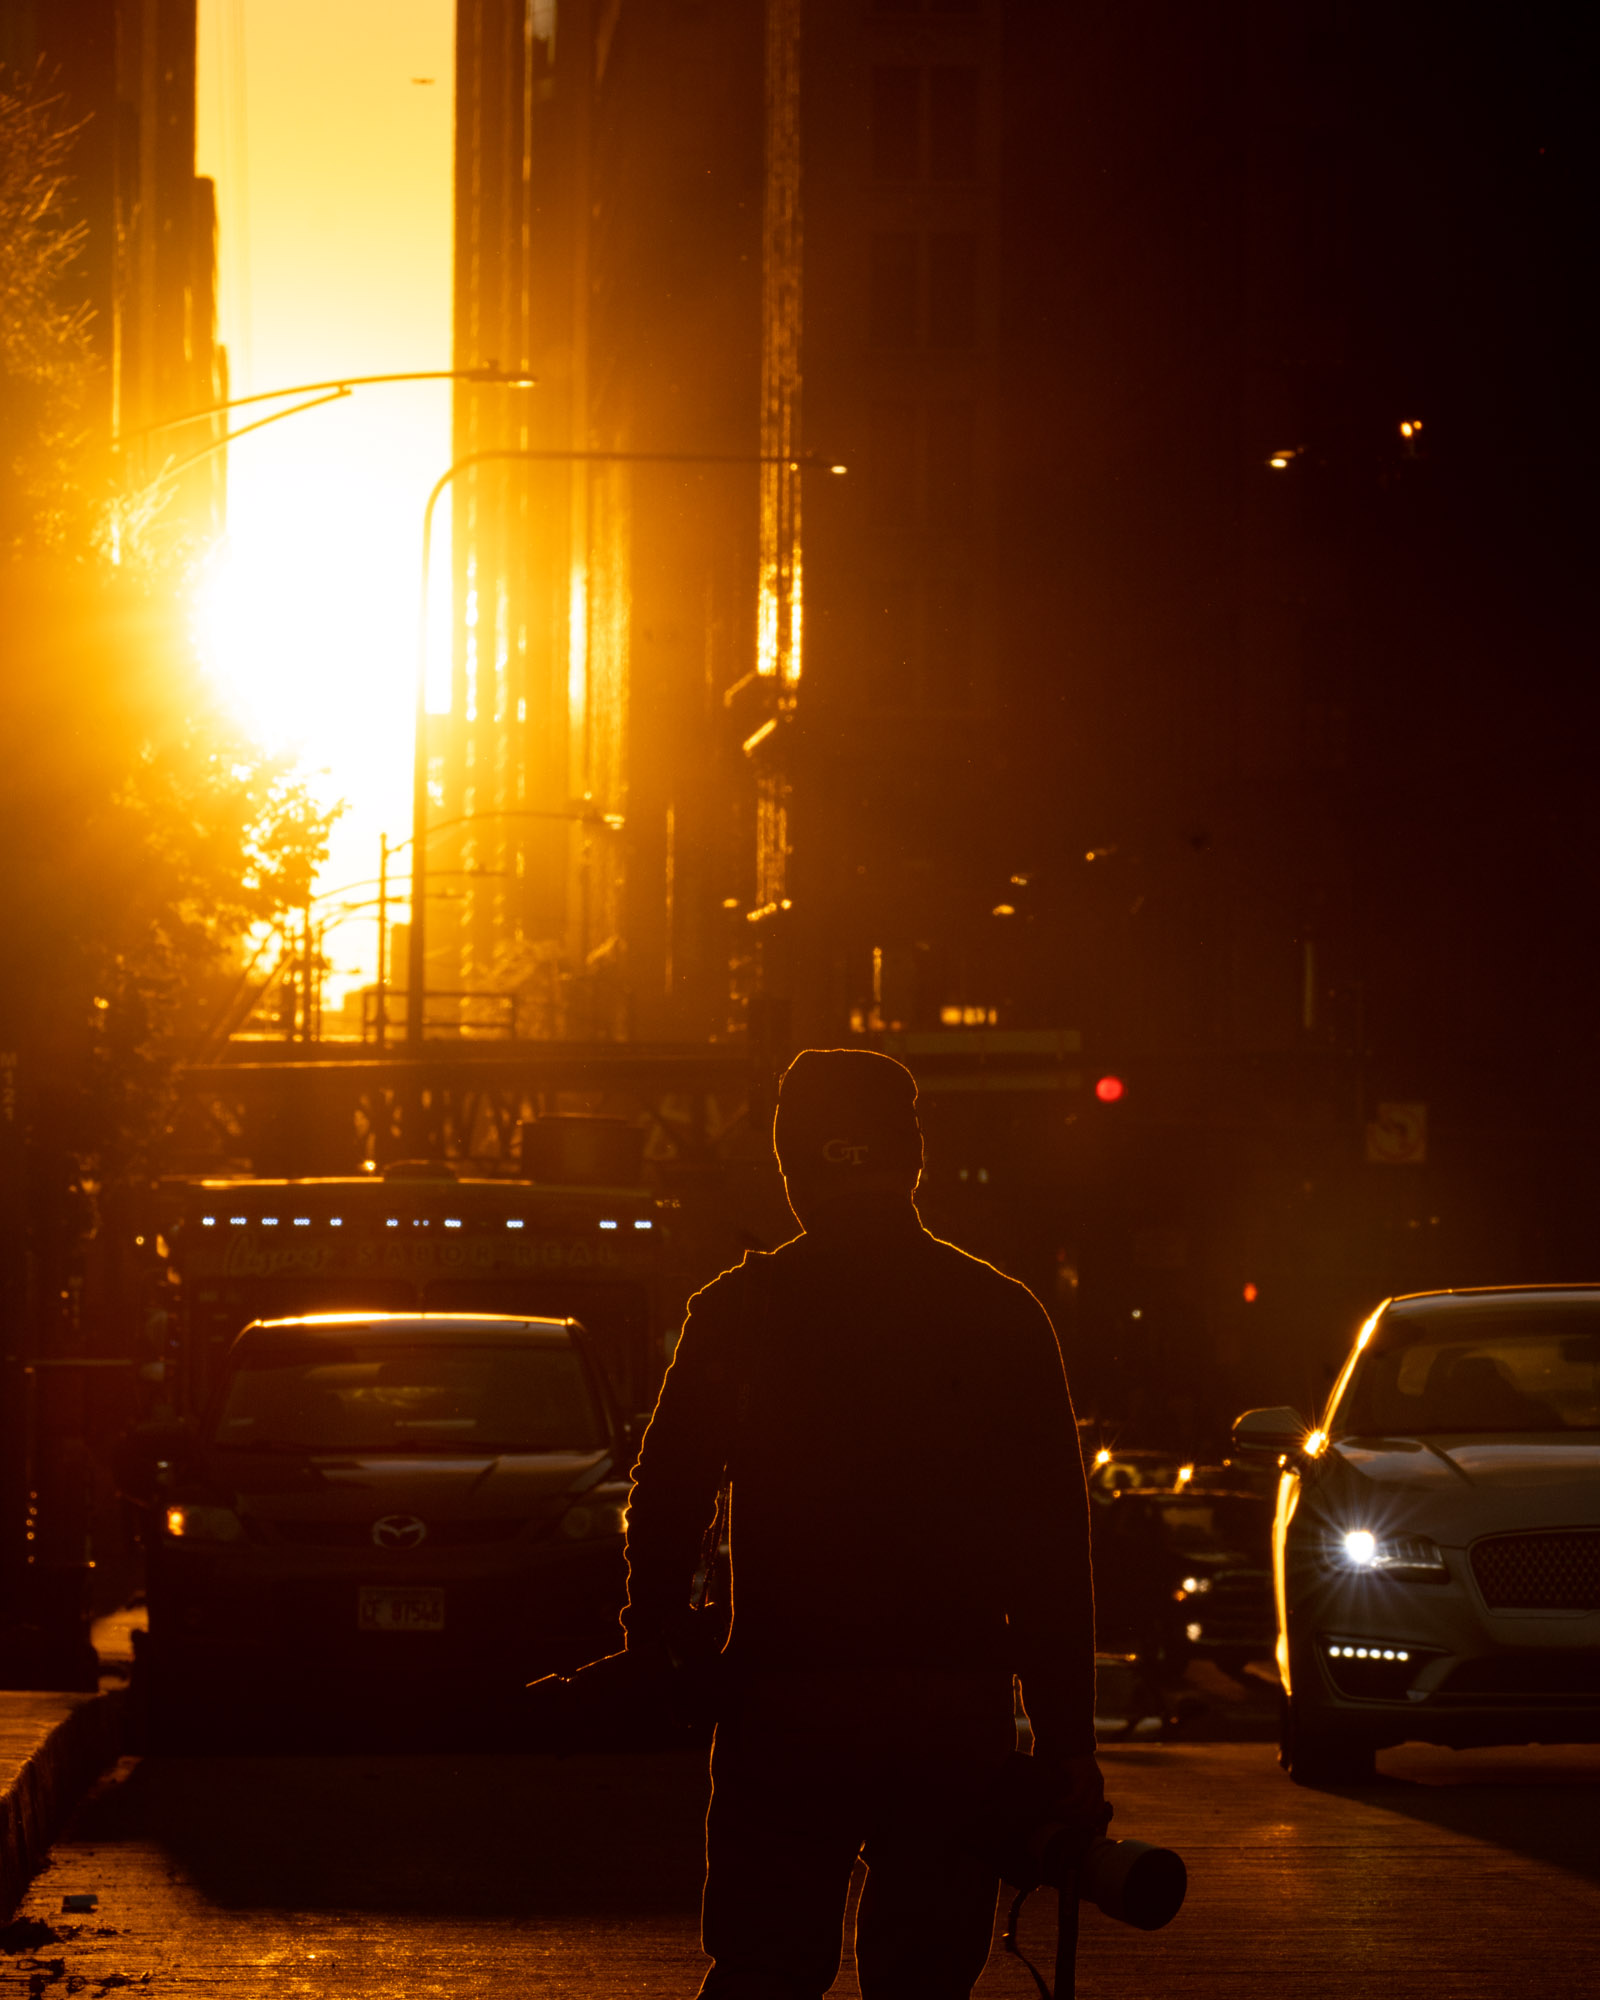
[319, 392]
[587, 816]
[417, 950]
[488, 377]
[177, 465]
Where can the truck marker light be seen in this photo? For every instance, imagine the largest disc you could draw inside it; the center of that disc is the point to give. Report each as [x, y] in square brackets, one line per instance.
[302, 1222]
[236, 1221]
[644, 1225]
[336, 1222]
[514, 1222]
[393, 1222]
[269, 1222]
[450, 1222]
[208, 1222]
[608, 1225]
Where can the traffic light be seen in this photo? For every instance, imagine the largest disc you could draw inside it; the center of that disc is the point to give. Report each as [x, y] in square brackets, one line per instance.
[1109, 1089]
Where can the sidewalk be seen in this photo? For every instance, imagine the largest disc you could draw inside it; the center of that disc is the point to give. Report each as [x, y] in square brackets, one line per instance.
[52, 1748]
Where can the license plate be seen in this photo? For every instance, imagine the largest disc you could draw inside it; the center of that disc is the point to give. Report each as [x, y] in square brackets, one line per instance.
[379, 1609]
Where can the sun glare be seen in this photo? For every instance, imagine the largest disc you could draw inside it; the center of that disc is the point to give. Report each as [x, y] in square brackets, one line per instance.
[305, 615]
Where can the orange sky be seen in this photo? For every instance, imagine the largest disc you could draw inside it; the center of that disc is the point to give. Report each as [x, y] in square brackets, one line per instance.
[333, 172]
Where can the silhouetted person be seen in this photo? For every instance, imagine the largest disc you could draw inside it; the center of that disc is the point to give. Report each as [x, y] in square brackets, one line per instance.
[909, 1529]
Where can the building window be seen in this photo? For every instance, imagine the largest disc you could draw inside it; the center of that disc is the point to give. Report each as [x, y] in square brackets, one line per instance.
[953, 124]
[894, 289]
[952, 290]
[896, 123]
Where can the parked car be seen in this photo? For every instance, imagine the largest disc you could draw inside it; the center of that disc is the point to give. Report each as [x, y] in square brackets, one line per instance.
[1185, 1574]
[391, 1506]
[1110, 1470]
[1437, 1537]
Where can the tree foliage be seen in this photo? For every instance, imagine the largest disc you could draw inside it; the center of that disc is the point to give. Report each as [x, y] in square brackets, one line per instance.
[144, 836]
[46, 352]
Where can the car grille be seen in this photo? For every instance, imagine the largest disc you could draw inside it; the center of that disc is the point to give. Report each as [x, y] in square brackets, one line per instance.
[358, 1534]
[1553, 1571]
[1238, 1610]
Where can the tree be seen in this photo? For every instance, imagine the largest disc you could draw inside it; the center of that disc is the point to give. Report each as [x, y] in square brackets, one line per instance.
[145, 836]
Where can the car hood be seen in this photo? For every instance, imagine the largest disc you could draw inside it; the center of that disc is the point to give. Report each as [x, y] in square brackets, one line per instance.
[1454, 1487]
[355, 1485]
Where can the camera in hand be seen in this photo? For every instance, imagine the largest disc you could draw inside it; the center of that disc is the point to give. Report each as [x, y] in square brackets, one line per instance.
[1034, 1846]
[659, 1695]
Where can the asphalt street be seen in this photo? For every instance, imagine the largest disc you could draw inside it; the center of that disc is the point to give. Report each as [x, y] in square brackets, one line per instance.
[1460, 1877]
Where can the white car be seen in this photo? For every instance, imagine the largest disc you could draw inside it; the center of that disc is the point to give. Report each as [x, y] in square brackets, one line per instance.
[1436, 1546]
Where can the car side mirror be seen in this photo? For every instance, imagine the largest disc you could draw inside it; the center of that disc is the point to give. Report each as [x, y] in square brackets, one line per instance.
[141, 1455]
[1269, 1433]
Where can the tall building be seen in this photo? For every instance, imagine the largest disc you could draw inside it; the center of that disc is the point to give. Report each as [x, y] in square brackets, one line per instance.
[123, 72]
[725, 239]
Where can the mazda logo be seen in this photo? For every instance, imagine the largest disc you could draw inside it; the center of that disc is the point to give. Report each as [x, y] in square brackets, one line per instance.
[399, 1531]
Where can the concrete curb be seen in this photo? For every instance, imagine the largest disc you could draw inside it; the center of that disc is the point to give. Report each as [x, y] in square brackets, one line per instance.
[52, 1748]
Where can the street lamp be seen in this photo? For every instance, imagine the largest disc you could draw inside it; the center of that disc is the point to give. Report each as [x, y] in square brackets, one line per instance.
[417, 953]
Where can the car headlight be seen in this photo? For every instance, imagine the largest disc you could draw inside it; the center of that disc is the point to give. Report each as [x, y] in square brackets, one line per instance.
[1410, 1558]
[204, 1524]
[594, 1515]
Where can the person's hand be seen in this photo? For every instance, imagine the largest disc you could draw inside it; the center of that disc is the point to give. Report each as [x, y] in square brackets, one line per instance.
[1078, 1792]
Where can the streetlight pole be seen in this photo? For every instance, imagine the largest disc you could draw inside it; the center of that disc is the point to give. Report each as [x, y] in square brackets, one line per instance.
[417, 951]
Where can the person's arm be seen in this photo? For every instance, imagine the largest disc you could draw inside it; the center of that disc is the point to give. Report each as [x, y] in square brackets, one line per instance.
[680, 1468]
[1050, 1596]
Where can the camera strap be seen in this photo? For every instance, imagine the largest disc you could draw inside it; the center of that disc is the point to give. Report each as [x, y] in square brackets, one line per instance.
[1066, 1942]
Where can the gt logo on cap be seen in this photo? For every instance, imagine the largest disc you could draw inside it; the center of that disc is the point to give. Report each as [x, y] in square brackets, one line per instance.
[839, 1152]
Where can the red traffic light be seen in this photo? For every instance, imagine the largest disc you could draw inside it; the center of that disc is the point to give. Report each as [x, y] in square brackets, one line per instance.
[1108, 1089]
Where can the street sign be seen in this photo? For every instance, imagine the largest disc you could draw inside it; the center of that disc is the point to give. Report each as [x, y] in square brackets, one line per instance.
[1398, 1136]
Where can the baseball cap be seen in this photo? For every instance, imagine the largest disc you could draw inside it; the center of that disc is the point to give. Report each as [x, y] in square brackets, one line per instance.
[847, 1112]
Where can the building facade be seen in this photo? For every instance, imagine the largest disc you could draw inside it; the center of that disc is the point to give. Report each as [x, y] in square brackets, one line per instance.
[742, 245]
[123, 73]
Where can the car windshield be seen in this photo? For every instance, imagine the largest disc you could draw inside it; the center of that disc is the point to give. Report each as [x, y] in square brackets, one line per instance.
[305, 1396]
[1218, 1525]
[1488, 1373]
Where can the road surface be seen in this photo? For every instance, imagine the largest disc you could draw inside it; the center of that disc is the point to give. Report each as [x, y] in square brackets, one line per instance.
[1461, 1877]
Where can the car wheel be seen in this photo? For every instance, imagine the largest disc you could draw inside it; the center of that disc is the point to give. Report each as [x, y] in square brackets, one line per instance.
[1322, 1752]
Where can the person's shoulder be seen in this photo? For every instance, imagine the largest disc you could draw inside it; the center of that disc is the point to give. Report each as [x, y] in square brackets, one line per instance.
[740, 1284]
[976, 1276]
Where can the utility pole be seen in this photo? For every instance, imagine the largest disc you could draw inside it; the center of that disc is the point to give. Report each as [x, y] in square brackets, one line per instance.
[305, 974]
[381, 1009]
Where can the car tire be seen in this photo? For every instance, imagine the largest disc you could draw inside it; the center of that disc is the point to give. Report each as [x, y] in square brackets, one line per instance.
[1322, 1752]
